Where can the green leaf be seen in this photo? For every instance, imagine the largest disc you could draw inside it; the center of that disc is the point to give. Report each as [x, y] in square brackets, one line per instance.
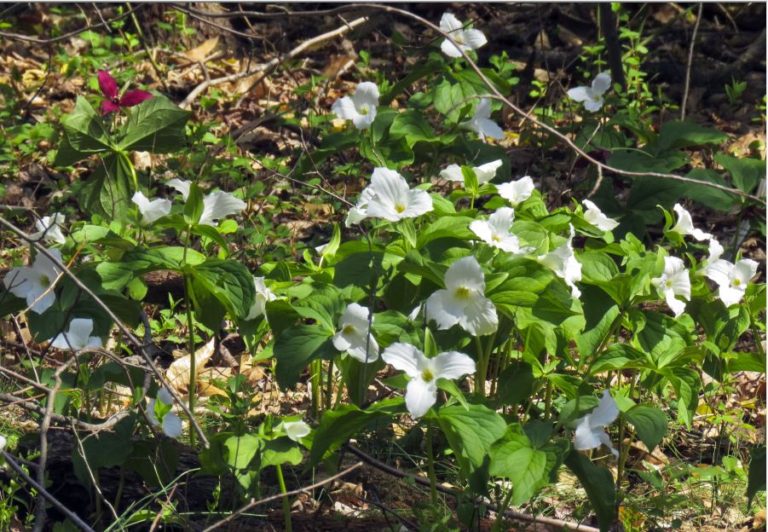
[155, 125]
[445, 227]
[452, 389]
[598, 483]
[338, 425]
[103, 449]
[193, 207]
[228, 281]
[745, 172]
[757, 466]
[109, 188]
[684, 134]
[514, 457]
[411, 126]
[453, 98]
[84, 129]
[241, 450]
[296, 347]
[471, 431]
[515, 383]
[650, 424]
[708, 196]
[600, 313]
[281, 451]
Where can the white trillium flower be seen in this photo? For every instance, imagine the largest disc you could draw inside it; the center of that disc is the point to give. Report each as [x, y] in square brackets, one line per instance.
[465, 39]
[732, 279]
[592, 97]
[562, 261]
[496, 231]
[674, 282]
[49, 229]
[516, 192]
[359, 212]
[34, 283]
[481, 122]
[78, 336]
[463, 300]
[151, 211]
[590, 429]
[684, 225]
[484, 173]
[595, 216]
[216, 205]
[353, 337]
[171, 424]
[296, 430]
[421, 392]
[263, 294]
[360, 107]
[388, 197]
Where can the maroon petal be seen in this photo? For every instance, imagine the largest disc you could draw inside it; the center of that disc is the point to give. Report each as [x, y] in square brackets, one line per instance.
[135, 97]
[108, 106]
[107, 84]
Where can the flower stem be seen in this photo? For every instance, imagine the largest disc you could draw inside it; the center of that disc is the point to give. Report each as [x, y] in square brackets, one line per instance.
[286, 500]
[191, 349]
[317, 383]
[431, 466]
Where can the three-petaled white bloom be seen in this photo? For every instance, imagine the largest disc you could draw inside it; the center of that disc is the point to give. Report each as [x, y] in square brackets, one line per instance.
[34, 283]
[216, 205]
[732, 279]
[463, 300]
[421, 392]
[595, 216]
[354, 336]
[151, 211]
[481, 122]
[49, 229]
[562, 261]
[171, 423]
[592, 96]
[684, 225]
[674, 282]
[388, 197]
[263, 294]
[296, 430]
[484, 172]
[78, 336]
[465, 39]
[496, 231]
[360, 107]
[590, 429]
[516, 192]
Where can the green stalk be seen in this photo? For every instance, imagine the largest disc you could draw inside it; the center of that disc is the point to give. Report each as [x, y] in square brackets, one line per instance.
[316, 379]
[329, 386]
[191, 349]
[485, 358]
[431, 466]
[286, 500]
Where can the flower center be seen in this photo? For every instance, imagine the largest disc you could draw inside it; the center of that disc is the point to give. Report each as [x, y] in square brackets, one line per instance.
[495, 237]
[364, 109]
[45, 281]
[399, 208]
[458, 37]
[668, 283]
[427, 375]
[463, 292]
[735, 282]
[348, 329]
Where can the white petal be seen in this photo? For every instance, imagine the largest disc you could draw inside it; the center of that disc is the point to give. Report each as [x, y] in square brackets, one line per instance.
[172, 425]
[164, 396]
[355, 216]
[483, 230]
[485, 127]
[450, 49]
[465, 272]
[151, 210]
[452, 365]
[151, 412]
[419, 202]
[366, 94]
[479, 318]
[420, 396]
[677, 306]
[3, 442]
[48, 228]
[218, 205]
[296, 430]
[593, 105]
[365, 350]
[730, 295]
[511, 244]
[715, 250]
[341, 341]
[606, 412]
[452, 173]
[486, 172]
[720, 272]
[585, 437]
[404, 357]
[605, 440]
[745, 270]
[502, 219]
[181, 186]
[483, 109]
[80, 330]
[681, 284]
[355, 315]
[601, 83]
[344, 108]
[580, 94]
[449, 23]
[595, 216]
[474, 39]
[516, 192]
[364, 121]
[441, 308]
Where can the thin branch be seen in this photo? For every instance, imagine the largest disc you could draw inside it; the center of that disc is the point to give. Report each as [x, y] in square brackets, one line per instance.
[64, 37]
[305, 489]
[132, 339]
[689, 66]
[554, 131]
[11, 461]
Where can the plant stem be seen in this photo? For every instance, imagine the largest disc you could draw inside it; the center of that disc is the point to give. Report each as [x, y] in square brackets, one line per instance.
[482, 369]
[191, 349]
[317, 382]
[329, 386]
[286, 500]
[479, 381]
[431, 466]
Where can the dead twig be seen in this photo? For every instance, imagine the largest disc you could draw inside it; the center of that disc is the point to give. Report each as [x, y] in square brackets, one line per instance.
[689, 65]
[265, 500]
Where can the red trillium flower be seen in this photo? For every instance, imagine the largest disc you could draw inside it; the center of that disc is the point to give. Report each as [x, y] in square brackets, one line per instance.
[109, 89]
